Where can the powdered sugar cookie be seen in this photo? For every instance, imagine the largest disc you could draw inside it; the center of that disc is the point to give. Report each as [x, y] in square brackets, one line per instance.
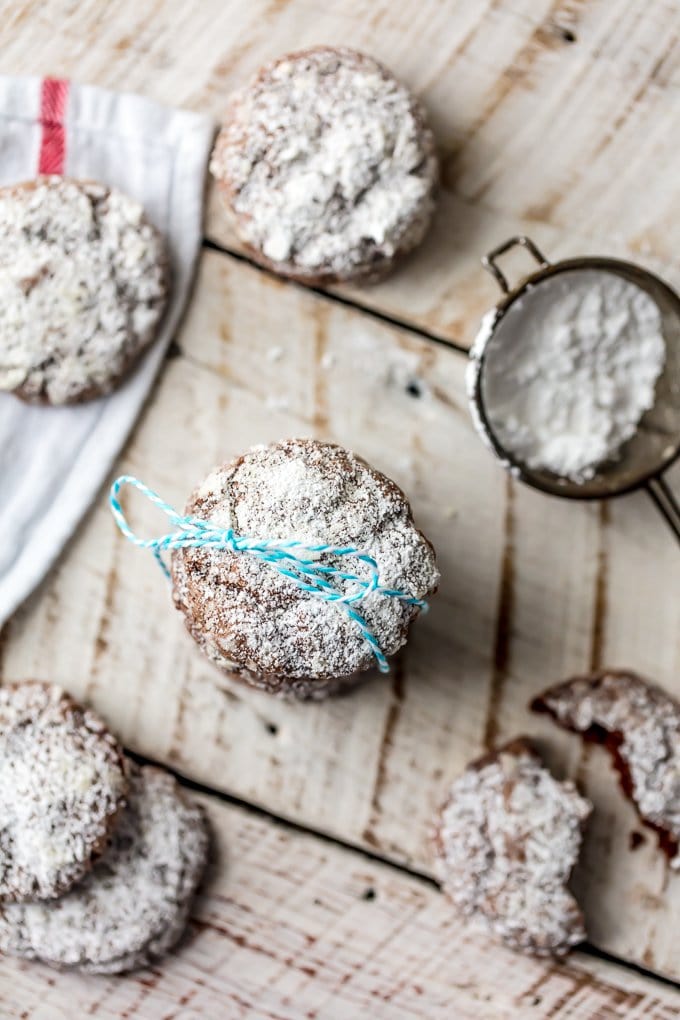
[83, 285]
[62, 785]
[254, 621]
[327, 166]
[640, 725]
[133, 905]
[507, 840]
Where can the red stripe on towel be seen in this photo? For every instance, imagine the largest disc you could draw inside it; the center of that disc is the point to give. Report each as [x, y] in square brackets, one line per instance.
[53, 96]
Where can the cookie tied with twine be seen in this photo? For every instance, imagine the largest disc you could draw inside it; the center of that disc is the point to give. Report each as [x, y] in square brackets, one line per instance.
[297, 566]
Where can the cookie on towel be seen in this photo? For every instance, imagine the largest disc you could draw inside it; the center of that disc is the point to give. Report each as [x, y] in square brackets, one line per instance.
[62, 785]
[83, 285]
[133, 906]
[506, 842]
[327, 166]
[640, 725]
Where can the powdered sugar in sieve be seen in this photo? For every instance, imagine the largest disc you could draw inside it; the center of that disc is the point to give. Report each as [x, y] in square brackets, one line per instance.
[571, 368]
[574, 378]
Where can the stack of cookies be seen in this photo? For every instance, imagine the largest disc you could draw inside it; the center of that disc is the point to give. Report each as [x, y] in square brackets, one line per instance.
[260, 625]
[99, 858]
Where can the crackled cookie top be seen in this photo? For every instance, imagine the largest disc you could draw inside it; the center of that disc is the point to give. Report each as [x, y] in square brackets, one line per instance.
[82, 287]
[247, 615]
[640, 725]
[327, 164]
[62, 784]
[133, 905]
[508, 838]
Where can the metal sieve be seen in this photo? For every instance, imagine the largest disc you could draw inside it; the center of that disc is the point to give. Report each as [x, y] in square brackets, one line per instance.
[655, 445]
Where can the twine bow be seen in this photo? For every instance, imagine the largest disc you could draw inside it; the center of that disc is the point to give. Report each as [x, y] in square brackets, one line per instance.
[303, 564]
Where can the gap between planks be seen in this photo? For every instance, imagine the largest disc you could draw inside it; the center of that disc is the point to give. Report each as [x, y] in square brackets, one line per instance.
[260, 812]
[357, 306]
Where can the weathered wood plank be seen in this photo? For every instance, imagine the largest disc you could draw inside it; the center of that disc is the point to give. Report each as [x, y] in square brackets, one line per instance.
[532, 590]
[289, 926]
[540, 132]
[554, 117]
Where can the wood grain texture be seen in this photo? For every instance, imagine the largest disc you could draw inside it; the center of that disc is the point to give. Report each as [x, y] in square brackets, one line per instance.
[554, 117]
[533, 589]
[290, 927]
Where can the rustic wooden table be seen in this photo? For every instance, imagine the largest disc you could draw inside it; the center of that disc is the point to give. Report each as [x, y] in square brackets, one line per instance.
[559, 118]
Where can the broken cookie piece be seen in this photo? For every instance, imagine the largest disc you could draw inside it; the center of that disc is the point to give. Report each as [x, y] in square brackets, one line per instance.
[640, 726]
[506, 843]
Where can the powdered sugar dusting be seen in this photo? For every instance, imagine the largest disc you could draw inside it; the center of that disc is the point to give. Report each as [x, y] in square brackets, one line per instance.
[507, 841]
[246, 615]
[134, 903]
[82, 288]
[62, 784]
[643, 723]
[327, 164]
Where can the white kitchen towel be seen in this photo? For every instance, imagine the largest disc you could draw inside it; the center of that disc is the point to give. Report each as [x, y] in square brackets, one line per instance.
[54, 460]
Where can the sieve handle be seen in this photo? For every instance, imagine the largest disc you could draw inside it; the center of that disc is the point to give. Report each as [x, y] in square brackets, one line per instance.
[666, 503]
[489, 261]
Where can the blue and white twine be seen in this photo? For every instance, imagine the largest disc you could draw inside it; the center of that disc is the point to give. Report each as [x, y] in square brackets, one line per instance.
[302, 563]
